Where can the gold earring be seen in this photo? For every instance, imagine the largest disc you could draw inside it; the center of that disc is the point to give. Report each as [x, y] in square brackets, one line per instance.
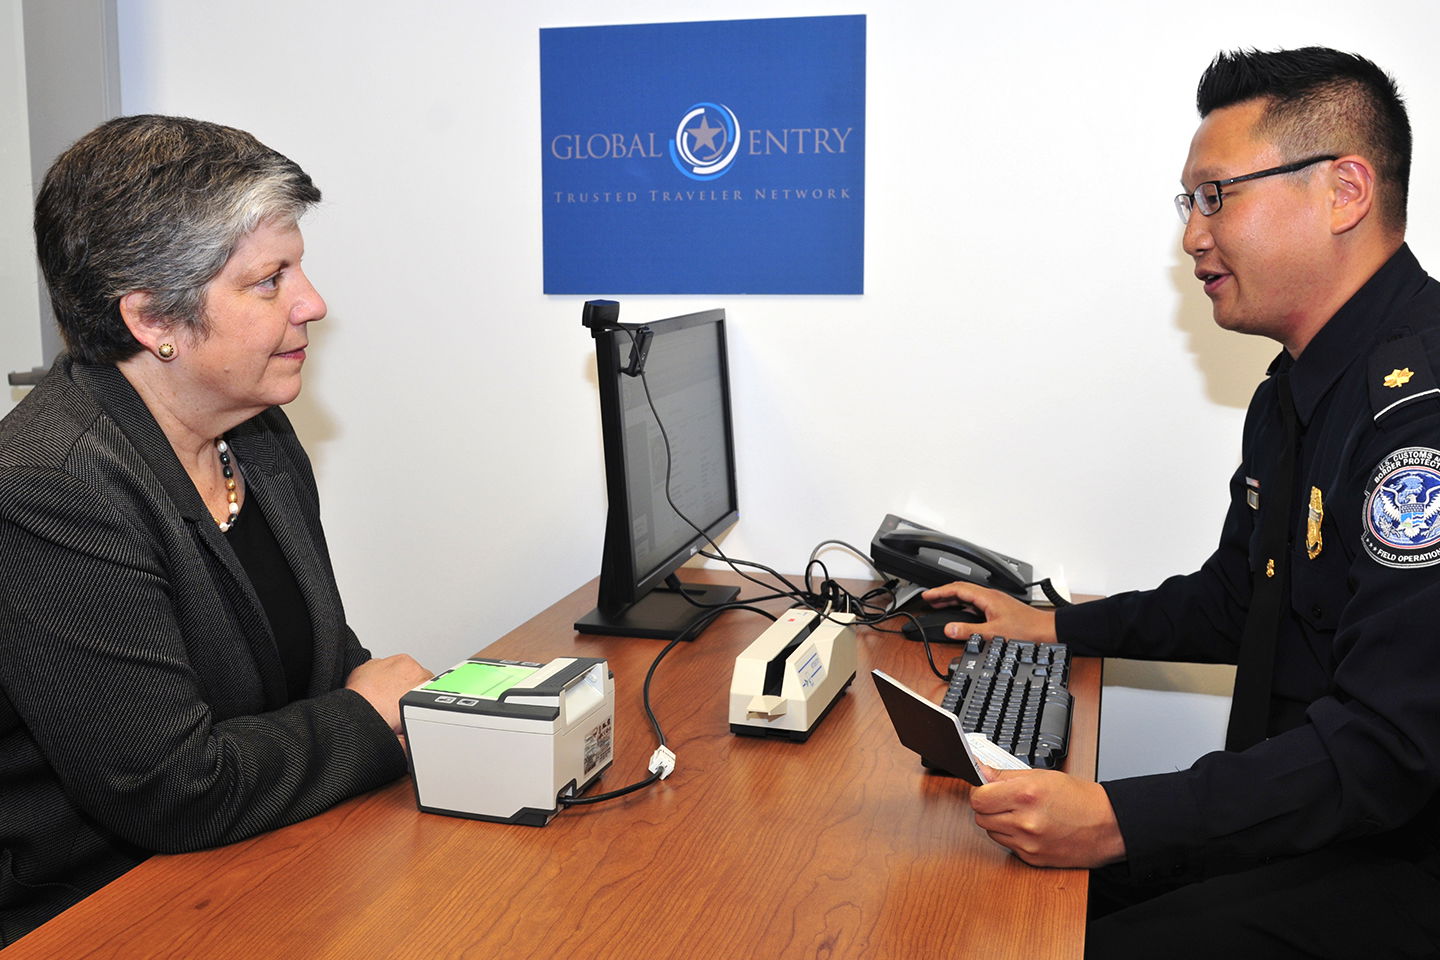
[166, 351]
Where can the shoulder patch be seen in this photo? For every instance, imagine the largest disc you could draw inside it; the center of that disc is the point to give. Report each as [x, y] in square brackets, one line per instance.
[1401, 526]
[1399, 373]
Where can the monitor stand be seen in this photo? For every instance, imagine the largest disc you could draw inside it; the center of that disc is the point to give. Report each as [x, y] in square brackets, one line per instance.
[662, 614]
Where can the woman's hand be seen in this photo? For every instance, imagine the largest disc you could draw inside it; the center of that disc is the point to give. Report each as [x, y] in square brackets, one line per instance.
[384, 681]
[1004, 615]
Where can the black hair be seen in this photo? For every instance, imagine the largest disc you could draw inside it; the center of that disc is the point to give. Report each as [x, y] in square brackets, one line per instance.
[1321, 101]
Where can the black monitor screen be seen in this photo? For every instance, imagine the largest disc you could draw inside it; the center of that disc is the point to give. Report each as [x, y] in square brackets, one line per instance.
[684, 367]
[686, 375]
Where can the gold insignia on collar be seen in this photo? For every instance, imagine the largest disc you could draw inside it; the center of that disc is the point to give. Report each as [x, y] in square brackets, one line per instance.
[1398, 377]
[1316, 516]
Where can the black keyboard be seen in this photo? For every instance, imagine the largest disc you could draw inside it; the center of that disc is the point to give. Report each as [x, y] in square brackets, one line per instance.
[1015, 694]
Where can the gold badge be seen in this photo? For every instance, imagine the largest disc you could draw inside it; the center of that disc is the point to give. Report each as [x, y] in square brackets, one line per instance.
[1313, 541]
[1398, 377]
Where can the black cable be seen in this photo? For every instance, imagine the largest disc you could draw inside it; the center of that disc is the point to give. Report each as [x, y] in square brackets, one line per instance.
[925, 642]
[808, 597]
[830, 591]
[830, 596]
[889, 585]
[713, 610]
[824, 570]
[597, 798]
[699, 624]
[669, 456]
[853, 549]
[790, 588]
[669, 461]
[1051, 594]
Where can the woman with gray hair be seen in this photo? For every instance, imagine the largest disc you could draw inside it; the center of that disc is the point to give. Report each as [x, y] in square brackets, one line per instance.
[176, 671]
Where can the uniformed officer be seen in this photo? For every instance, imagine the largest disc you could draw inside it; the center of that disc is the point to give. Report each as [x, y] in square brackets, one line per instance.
[1315, 832]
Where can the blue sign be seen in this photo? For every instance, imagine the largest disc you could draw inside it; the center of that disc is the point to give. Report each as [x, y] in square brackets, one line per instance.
[713, 157]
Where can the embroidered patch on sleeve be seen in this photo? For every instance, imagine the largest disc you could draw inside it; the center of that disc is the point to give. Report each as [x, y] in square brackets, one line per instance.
[1402, 509]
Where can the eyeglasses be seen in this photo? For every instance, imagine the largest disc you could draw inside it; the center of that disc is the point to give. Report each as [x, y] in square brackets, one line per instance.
[1208, 196]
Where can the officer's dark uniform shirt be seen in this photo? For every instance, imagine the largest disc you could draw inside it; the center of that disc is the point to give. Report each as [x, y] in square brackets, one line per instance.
[1353, 746]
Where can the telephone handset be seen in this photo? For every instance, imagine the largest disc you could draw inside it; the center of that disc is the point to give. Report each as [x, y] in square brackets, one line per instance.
[929, 558]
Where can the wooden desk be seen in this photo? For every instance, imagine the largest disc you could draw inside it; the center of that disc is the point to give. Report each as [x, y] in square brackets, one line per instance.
[839, 847]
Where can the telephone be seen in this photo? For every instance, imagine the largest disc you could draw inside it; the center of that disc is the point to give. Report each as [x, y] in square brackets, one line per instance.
[930, 558]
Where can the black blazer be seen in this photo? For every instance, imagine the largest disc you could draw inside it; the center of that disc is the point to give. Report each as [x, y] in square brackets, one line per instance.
[142, 699]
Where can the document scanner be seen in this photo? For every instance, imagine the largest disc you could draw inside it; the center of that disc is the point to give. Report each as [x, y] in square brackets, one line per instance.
[503, 739]
[787, 680]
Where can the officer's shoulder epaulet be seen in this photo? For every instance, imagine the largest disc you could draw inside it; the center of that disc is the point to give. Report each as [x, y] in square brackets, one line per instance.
[1399, 375]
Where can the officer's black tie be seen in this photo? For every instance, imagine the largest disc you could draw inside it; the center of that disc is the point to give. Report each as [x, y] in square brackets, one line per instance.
[1250, 706]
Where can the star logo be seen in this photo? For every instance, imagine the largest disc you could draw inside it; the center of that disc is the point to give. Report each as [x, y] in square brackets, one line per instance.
[1398, 378]
[705, 134]
[708, 129]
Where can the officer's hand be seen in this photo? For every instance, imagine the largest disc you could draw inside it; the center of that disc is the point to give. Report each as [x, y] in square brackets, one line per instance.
[1048, 818]
[1004, 615]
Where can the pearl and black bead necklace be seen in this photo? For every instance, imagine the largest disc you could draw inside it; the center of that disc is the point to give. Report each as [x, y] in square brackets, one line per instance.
[232, 493]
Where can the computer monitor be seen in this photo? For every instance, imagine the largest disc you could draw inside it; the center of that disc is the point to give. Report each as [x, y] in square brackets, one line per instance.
[682, 361]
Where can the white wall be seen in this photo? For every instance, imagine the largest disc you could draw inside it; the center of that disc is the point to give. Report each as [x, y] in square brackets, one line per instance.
[19, 284]
[1032, 364]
